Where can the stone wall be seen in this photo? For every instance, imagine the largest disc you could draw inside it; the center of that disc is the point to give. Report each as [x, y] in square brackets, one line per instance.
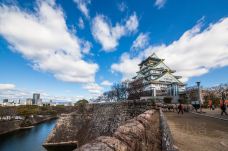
[167, 139]
[138, 134]
[94, 120]
[7, 126]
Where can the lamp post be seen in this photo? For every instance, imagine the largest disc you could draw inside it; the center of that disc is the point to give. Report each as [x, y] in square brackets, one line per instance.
[199, 96]
[223, 97]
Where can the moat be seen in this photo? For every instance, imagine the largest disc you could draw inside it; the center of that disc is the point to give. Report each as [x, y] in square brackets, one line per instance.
[28, 139]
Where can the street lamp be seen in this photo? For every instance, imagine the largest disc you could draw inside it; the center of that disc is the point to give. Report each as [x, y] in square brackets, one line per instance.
[199, 97]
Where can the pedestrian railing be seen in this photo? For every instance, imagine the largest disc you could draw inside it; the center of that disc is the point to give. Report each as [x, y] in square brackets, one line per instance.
[167, 139]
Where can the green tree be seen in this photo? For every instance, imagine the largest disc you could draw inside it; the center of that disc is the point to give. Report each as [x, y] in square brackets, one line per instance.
[81, 105]
[82, 101]
[27, 110]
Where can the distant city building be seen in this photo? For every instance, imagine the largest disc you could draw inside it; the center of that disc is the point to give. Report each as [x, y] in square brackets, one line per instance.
[39, 102]
[36, 98]
[29, 101]
[158, 79]
[5, 100]
[8, 103]
[61, 102]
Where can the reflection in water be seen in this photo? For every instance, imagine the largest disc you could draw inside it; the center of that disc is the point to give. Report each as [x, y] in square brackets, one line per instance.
[27, 140]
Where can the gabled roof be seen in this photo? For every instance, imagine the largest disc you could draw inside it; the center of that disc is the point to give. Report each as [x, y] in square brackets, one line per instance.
[178, 77]
[161, 62]
[157, 62]
[152, 57]
[169, 75]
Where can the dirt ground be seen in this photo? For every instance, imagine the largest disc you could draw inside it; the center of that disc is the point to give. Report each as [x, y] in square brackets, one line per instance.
[198, 133]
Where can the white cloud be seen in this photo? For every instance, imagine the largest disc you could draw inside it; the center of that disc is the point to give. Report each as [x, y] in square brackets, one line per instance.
[159, 3]
[65, 98]
[82, 6]
[122, 6]
[141, 42]
[9, 91]
[106, 83]
[127, 66]
[86, 47]
[81, 23]
[195, 53]
[108, 35]
[43, 38]
[7, 86]
[93, 88]
[132, 23]
[16, 94]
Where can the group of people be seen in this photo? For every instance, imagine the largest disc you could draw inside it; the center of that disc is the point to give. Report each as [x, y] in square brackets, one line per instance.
[180, 108]
[223, 106]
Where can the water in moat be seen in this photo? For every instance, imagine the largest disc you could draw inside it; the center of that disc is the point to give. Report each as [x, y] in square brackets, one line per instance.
[28, 139]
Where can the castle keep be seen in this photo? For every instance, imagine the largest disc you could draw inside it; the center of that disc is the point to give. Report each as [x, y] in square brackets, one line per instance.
[158, 79]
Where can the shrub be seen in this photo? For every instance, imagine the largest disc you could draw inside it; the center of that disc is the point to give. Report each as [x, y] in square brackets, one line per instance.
[183, 101]
[152, 100]
[26, 123]
[167, 100]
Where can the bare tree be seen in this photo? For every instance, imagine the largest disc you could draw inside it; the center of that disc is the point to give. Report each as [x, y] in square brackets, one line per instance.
[109, 95]
[136, 89]
[216, 93]
[7, 113]
[120, 91]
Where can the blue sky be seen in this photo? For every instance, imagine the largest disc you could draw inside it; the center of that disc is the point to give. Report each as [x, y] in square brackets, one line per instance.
[78, 48]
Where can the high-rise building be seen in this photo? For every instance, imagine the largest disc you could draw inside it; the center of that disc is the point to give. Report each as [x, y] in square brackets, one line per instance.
[36, 98]
[5, 100]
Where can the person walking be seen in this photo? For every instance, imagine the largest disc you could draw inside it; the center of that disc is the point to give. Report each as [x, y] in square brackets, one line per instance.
[180, 109]
[223, 105]
[223, 108]
[210, 104]
[213, 107]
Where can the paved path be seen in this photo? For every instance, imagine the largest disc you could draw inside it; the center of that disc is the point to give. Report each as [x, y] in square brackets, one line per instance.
[193, 132]
[215, 113]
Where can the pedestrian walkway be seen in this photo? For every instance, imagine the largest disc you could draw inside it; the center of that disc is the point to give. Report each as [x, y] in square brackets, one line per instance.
[192, 132]
[213, 113]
